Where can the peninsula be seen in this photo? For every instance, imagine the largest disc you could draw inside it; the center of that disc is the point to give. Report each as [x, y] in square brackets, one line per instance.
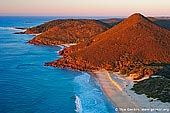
[66, 31]
[137, 47]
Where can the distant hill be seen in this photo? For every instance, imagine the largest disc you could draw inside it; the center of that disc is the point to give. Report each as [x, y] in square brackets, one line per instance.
[112, 21]
[129, 47]
[59, 32]
[161, 21]
[67, 31]
[165, 23]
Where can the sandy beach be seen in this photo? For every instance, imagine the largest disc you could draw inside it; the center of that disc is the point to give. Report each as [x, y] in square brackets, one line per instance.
[117, 89]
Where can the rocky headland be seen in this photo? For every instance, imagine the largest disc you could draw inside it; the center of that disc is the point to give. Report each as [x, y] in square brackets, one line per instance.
[137, 46]
[67, 31]
[130, 48]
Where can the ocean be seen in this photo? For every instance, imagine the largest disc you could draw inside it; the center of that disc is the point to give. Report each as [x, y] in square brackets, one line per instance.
[27, 86]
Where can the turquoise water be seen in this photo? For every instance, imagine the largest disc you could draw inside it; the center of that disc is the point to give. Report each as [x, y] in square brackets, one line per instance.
[26, 86]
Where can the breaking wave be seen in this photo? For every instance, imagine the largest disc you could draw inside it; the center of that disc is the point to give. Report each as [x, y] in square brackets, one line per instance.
[78, 105]
[9, 28]
[89, 96]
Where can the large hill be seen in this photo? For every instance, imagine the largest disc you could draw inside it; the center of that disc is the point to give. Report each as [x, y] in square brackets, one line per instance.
[161, 21]
[67, 31]
[129, 47]
[77, 30]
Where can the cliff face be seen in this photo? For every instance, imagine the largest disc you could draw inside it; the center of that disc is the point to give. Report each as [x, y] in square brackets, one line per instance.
[129, 47]
[70, 31]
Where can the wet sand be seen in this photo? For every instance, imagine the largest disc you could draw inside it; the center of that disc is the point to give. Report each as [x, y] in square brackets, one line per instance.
[117, 89]
[123, 102]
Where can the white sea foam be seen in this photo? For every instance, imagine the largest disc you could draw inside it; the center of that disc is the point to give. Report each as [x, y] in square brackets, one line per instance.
[9, 28]
[78, 105]
[61, 46]
[90, 98]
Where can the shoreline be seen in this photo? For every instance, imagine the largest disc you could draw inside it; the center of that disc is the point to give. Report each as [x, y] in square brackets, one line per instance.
[117, 96]
[117, 89]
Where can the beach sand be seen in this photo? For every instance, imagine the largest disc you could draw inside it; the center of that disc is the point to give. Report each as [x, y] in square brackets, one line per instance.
[117, 89]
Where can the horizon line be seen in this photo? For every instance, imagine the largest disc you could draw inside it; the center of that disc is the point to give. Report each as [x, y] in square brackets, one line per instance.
[75, 16]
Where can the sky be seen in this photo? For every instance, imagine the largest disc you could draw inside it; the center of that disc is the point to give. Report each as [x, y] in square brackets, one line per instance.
[84, 7]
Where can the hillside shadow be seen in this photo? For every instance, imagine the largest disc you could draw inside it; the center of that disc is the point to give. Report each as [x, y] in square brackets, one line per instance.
[164, 69]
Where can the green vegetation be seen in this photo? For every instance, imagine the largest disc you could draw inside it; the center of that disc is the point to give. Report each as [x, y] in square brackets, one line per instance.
[163, 23]
[158, 87]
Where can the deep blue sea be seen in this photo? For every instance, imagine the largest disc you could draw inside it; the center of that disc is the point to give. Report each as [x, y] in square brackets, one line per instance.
[26, 86]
